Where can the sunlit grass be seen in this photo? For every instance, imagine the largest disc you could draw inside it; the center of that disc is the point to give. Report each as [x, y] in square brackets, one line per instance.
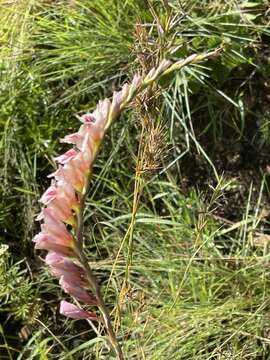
[198, 280]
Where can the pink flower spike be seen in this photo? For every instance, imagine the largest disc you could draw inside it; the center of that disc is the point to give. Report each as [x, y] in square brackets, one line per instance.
[74, 312]
[66, 157]
[49, 195]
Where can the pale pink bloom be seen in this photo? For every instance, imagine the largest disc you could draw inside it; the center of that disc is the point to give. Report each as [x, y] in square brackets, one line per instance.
[45, 236]
[66, 190]
[62, 200]
[49, 195]
[94, 126]
[84, 158]
[77, 291]
[62, 266]
[71, 276]
[62, 212]
[52, 226]
[74, 279]
[87, 118]
[59, 174]
[74, 176]
[75, 170]
[162, 67]
[101, 114]
[150, 75]
[88, 130]
[75, 139]
[47, 242]
[66, 157]
[74, 312]
[70, 174]
[124, 93]
[102, 111]
[119, 97]
[57, 260]
[116, 102]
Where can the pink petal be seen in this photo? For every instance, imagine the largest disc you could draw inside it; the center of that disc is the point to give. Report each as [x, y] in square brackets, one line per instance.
[62, 211]
[84, 158]
[87, 119]
[61, 199]
[65, 188]
[42, 237]
[49, 195]
[70, 174]
[116, 102]
[53, 226]
[62, 266]
[58, 174]
[74, 312]
[67, 156]
[77, 291]
[74, 176]
[75, 139]
[45, 242]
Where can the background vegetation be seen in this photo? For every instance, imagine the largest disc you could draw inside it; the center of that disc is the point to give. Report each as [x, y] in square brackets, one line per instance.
[178, 211]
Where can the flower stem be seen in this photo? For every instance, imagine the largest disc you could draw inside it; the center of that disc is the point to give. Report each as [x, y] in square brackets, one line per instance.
[93, 281]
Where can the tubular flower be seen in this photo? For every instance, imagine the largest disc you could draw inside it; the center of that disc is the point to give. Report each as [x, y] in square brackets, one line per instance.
[62, 266]
[74, 312]
[61, 199]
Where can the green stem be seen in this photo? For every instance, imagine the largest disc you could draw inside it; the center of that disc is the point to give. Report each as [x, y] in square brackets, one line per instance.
[93, 280]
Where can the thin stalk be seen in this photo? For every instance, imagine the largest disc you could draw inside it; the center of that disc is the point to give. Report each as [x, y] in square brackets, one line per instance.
[93, 280]
[138, 189]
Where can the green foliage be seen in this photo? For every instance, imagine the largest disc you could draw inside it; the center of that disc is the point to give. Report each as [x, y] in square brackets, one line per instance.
[17, 293]
[199, 279]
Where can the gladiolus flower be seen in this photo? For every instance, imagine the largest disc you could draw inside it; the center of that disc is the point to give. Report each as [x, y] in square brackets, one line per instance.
[70, 174]
[49, 195]
[54, 227]
[62, 266]
[87, 118]
[74, 289]
[74, 312]
[62, 200]
[67, 156]
[75, 139]
[47, 242]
